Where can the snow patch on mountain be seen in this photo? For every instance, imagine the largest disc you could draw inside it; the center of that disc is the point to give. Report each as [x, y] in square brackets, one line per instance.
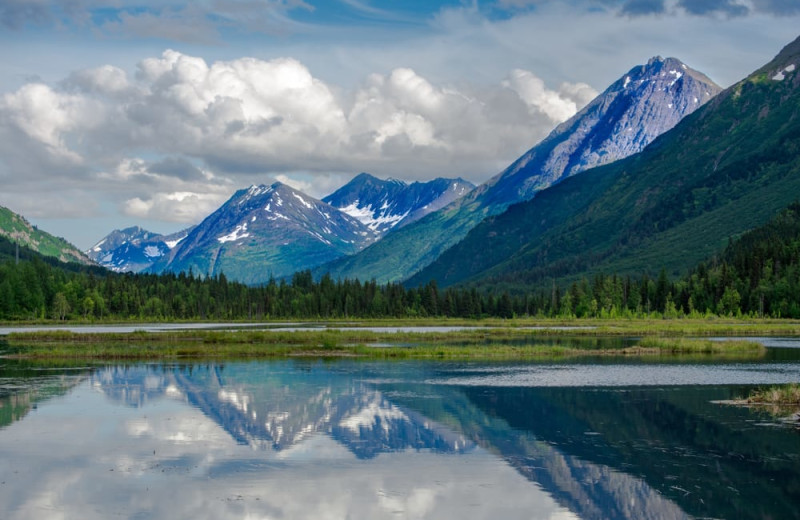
[302, 200]
[172, 243]
[295, 232]
[781, 75]
[367, 216]
[237, 234]
[133, 249]
[383, 205]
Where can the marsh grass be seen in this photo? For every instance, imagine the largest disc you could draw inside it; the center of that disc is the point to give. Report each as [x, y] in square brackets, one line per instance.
[482, 344]
[700, 346]
[783, 395]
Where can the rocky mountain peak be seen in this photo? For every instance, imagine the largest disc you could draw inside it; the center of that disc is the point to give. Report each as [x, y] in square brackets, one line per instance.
[133, 249]
[264, 231]
[383, 205]
[641, 105]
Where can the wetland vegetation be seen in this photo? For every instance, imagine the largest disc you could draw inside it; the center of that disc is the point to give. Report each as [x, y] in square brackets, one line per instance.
[503, 343]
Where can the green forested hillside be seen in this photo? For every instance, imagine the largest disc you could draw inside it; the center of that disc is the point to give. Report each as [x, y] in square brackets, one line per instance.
[17, 229]
[757, 275]
[727, 168]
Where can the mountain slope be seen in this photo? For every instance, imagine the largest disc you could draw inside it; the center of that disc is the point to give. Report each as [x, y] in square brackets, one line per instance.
[647, 101]
[723, 170]
[266, 231]
[383, 205]
[133, 249]
[17, 229]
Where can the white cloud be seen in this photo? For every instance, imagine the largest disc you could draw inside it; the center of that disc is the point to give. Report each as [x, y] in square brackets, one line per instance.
[106, 80]
[184, 207]
[44, 116]
[557, 105]
[216, 127]
[164, 192]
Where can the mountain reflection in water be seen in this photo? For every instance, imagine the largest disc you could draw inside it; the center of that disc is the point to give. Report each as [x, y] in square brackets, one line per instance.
[372, 440]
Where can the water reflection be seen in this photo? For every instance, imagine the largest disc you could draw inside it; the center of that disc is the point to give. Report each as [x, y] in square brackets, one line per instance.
[279, 407]
[370, 440]
[22, 387]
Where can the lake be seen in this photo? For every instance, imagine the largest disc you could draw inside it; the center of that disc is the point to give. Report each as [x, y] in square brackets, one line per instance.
[301, 439]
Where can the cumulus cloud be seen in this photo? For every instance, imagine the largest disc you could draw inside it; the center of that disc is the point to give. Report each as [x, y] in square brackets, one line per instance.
[172, 189]
[180, 206]
[211, 128]
[557, 105]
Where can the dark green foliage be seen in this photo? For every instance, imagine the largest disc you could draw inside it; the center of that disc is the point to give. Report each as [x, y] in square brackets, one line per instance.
[758, 274]
[42, 288]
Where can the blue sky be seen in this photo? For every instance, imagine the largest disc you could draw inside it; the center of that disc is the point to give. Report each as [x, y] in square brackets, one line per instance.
[123, 112]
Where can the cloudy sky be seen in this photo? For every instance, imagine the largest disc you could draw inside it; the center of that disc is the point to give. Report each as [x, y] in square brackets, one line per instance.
[153, 112]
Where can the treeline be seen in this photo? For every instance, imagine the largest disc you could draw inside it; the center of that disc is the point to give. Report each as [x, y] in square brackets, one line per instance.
[34, 290]
[757, 275]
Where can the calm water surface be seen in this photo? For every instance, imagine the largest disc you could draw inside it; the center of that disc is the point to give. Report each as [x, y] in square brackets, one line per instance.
[365, 440]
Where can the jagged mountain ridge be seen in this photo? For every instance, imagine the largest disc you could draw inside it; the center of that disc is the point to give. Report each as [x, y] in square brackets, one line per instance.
[383, 205]
[724, 170]
[266, 231]
[133, 249]
[17, 229]
[645, 102]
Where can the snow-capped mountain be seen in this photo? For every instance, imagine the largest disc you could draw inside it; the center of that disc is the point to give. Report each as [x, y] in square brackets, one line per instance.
[644, 103]
[383, 205]
[133, 249]
[267, 231]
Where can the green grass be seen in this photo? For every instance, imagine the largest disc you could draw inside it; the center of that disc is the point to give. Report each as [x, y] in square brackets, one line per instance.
[481, 344]
[700, 346]
[782, 395]
[229, 351]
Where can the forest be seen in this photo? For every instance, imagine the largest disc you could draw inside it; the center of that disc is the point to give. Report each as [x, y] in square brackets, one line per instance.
[757, 275]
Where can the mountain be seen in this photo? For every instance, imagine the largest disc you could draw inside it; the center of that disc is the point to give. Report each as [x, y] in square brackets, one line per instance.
[727, 168]
[133, 249]
[383, 205]
[17, 229]
[644, 103]
[266, 231]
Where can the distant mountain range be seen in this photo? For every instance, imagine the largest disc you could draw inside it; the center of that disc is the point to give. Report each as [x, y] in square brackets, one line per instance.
[266, 231]
[388, 229]
[383, 205]
[727, 168]
[644, 103]
[274, 231]
[17, 229]
[133, 249]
